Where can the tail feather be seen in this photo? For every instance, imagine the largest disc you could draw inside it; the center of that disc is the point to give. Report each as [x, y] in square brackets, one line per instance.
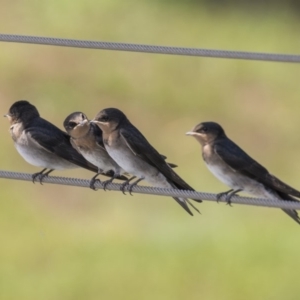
[183, 204]
[185, 187]
[290, 212]
[293, 214]
[193, 206]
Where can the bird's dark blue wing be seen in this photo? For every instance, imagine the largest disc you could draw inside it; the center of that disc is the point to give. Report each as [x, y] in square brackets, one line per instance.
[241, 162]
[142, 148]
[54, 140]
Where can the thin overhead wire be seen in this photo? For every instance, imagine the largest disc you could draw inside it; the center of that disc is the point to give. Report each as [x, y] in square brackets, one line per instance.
[149, 48]
[154, 191]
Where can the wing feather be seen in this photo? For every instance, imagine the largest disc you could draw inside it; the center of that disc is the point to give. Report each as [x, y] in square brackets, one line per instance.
[241, 162]
[140, 147]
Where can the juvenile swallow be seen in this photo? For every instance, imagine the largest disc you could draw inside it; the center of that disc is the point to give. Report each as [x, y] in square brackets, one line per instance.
[41, 143]
[130, 149]
[86, 138]
[234, 167]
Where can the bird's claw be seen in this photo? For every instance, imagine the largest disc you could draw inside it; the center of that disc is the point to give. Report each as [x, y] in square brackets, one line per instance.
[123, 186]
[93, 182]
[228, 200]
[130, 187]
[219, 196]
[42, 176]
[34, 176]
[105, 183]
[228, 195]
[39, 175]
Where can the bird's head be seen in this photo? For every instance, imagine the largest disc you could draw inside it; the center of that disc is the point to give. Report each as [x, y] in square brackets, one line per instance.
[77, 124]
[21, 111]
[109, 119]
[206, 132]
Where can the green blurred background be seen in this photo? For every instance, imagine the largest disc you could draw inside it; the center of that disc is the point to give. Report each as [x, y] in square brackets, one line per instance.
[72, 243]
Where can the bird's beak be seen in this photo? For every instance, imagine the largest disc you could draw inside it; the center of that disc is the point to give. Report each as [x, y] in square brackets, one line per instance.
[6, 115]
[82, 123]
[191, 133]
[97, 122]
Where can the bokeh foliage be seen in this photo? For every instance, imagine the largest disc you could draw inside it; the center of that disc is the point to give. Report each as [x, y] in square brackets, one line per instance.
[72, 243]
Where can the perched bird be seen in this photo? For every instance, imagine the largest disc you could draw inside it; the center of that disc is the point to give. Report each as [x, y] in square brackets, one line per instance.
[86, 138]
[130, 149]
[41, 143]
[232, 166]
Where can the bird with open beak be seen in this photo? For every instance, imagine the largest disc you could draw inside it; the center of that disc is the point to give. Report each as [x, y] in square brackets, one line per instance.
[131, 150]
[235, 168]
[87, 139]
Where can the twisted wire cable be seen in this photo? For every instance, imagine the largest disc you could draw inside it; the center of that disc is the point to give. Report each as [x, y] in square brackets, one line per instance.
[149, 48]
[154, 191]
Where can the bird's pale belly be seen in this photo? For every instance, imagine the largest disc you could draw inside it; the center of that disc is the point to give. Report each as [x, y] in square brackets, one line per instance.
[128, 161]
[98, 159]
[134, 165]
[236, 181]
[41, 158]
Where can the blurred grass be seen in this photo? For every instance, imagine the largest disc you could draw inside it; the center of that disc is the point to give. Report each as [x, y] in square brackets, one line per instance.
[71, 243]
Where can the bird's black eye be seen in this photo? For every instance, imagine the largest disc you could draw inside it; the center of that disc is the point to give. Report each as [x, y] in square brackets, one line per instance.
[104, 119]
[82, 116]
[204, 129]
[72, 124]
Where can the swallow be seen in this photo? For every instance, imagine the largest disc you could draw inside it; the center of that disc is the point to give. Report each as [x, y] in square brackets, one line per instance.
[131, 150]
[41, 143]
[87, 139]
[236, 169]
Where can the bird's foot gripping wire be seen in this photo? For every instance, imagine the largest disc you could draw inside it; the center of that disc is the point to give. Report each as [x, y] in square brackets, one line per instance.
[93, 181]
[41, 175]
[130, 186]
[105, 183]
[126, 183]
[228, 195]
[220, 195]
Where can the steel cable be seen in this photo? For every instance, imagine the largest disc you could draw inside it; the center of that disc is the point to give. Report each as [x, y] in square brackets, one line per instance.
[149, 48]
[154, 191]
